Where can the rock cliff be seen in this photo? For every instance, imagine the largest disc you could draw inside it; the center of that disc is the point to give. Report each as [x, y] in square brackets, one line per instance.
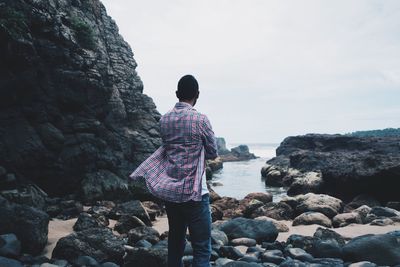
[72, 110]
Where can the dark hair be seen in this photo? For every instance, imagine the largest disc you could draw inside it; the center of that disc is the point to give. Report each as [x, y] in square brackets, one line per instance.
[188, 88]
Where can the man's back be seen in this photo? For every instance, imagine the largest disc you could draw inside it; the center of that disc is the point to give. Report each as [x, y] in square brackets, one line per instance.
[185, 133]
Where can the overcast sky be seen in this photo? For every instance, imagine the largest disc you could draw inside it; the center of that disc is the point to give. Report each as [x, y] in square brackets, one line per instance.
[271, 69]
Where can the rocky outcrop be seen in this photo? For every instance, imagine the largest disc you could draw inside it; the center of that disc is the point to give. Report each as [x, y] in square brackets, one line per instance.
[72, 111]
[346, 166]
[238, 153]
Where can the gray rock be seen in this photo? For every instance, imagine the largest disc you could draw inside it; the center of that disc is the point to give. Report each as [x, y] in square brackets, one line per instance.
[126, 223]
[363, 264]
[350, 165]
[299, 241]
[299, 254]
[273, 256]
[30, 225]
[86, 221]
[259, 230]
[79, 107]
[344, 219]
[132, 208]
[308, 218]
[230, 252]
[248, 242]
[6, 262]
[86, 261]
[327, 205]
[10, 246]
[241, 264]
[379, 249]
[143, 232]
[359, 201]
[219, 237]
[277, 211]
[152, 257]
[309, 182]
[98, 243]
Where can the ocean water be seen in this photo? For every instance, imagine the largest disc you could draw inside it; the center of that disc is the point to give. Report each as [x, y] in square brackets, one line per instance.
[240, 178]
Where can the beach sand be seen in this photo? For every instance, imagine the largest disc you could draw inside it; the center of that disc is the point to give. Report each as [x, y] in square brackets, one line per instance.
[61, 228]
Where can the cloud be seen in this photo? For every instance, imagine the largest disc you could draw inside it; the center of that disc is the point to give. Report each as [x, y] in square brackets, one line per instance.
[269, 69]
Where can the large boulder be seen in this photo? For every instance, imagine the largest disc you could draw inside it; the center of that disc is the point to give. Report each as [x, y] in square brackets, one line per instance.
[98, 243]
[71, 101]
[325, 204]
[30, 225]
[349, 165]
[310, 217]
[379, 249]
[260, 230]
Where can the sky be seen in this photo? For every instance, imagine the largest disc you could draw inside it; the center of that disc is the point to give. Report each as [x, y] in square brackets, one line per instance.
[271, 69]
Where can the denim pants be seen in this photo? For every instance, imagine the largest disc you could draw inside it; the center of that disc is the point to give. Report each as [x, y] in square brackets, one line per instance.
[196, 216]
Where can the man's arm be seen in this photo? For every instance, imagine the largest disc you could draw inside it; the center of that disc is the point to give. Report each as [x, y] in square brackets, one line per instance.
[208, 138]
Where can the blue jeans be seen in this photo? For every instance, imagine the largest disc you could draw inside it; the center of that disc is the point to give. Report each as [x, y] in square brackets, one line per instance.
[196, 216]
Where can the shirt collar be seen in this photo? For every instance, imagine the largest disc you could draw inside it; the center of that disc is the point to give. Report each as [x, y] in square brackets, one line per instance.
[182, 105]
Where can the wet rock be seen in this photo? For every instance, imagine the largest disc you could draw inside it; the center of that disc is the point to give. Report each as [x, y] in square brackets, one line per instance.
[126, 223]
[379, 249]
[293, 263]
[259, 230]
[308, 218]
[344, 219]
[98, 243]
[30, 225]
[10, 246]
[143, 232]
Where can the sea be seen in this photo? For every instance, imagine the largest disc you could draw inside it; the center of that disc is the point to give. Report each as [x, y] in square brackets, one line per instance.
[237, 179]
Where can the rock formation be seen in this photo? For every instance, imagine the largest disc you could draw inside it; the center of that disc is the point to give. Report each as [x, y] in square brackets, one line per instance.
[72, 111]
[344, 166]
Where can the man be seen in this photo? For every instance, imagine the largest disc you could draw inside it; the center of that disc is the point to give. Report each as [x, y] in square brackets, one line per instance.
[176, 174]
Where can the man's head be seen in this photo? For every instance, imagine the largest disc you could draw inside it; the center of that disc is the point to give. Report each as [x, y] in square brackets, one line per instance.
[188, 89]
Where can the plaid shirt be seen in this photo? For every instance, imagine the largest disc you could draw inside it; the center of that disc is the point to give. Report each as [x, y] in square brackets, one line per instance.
[174, 171]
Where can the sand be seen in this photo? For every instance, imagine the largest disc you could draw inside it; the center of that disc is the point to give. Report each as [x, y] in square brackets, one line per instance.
[61, 228]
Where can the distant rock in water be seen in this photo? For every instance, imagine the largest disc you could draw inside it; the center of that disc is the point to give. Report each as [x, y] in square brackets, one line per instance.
[221, 146]
[341, 165]
[71, 104]
[238, 153]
